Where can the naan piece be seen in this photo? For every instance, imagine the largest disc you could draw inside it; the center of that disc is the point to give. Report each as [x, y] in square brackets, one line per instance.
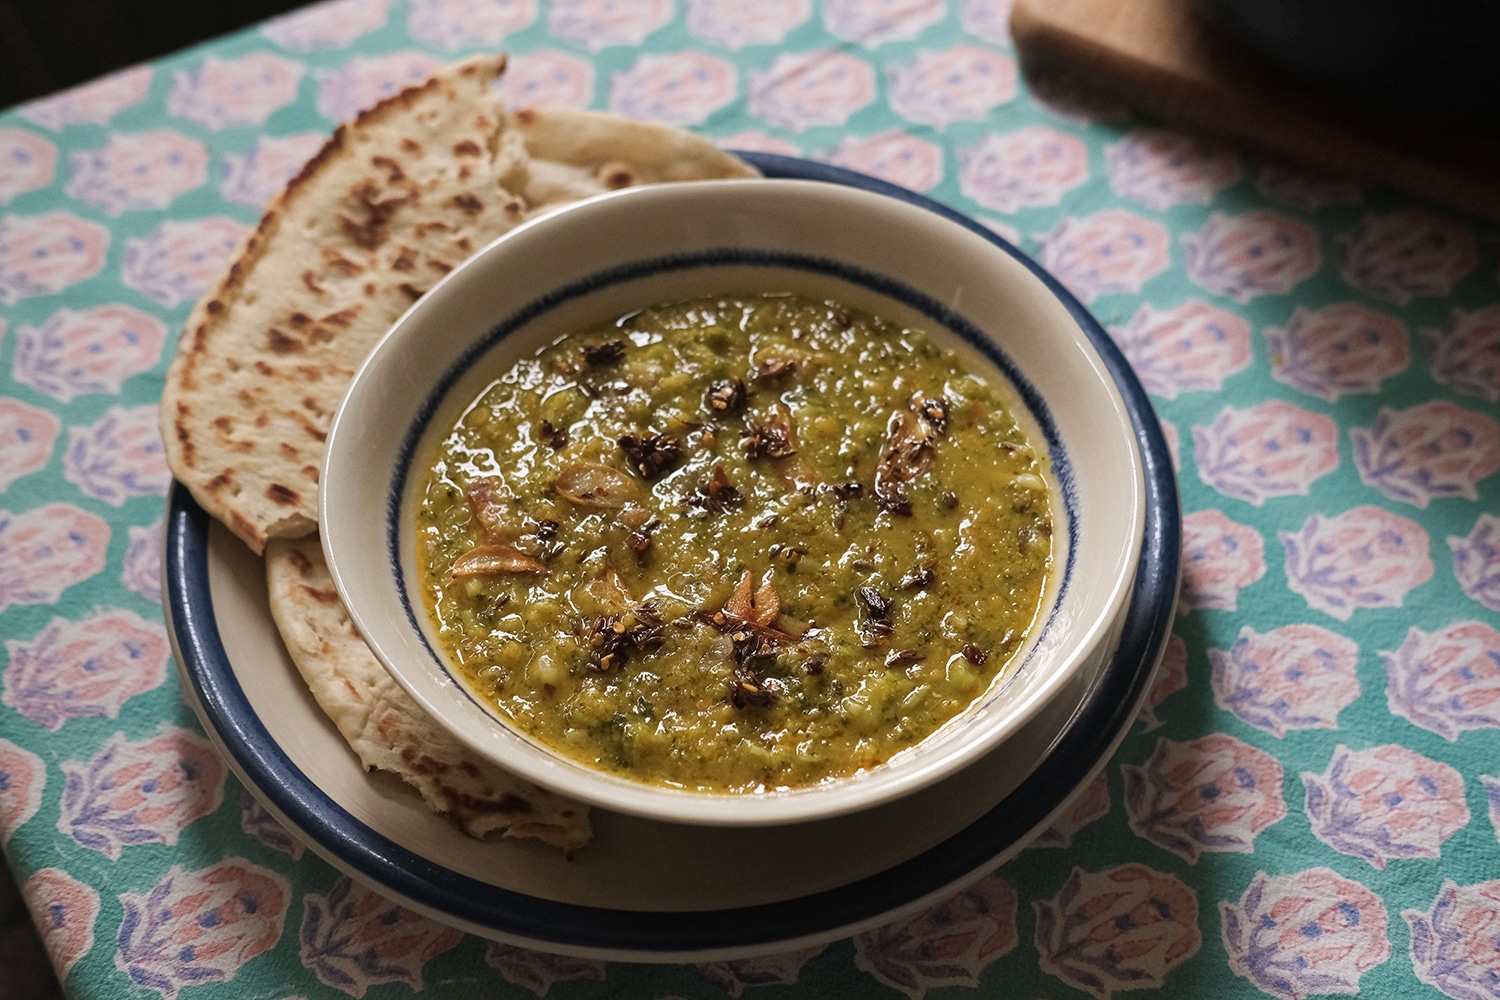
[395, 200]
[385, 727]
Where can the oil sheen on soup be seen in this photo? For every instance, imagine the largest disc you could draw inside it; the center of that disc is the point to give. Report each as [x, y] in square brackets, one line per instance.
[738, 543]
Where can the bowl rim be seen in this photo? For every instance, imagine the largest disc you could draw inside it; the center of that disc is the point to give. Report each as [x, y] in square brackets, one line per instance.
[599, 788]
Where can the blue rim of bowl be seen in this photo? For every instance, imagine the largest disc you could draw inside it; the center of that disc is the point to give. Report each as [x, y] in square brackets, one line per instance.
[397, 513]
[1106, 713]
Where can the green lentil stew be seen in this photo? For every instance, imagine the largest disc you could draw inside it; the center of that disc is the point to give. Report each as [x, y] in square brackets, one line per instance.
[735, 544]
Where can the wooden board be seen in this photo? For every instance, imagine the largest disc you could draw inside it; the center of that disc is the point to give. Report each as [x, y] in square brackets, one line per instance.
[1164, 59]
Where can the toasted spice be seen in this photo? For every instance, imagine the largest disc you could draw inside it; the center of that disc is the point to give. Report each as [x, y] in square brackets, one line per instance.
[717, 494]
[604, 354]
[555, 437]
[726, 396]
[920, 577]
[975, 655]
[764, 441]
[904, 657]
[651, 454]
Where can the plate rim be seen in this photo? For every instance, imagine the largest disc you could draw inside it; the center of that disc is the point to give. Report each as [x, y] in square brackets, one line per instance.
[1102, 721]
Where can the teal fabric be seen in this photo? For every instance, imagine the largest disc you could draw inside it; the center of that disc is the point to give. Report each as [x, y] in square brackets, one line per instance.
[1310, 803]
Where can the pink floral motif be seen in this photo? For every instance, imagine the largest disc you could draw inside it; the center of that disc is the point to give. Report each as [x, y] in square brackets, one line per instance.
[736, 975]
[1401, 256]
[1213, 794]
[948, 945]
[1111, 253]
[354, 938]
[598, 24]
[1312, 932]
[1171, 677]
[875, 22]
[893, 156]
[1446, 681]
[147, 170]
[85, 669]
[1428, 452]
[1174, 444]
[547, 79]
[140, 793]
[253, 178]
[245, 90]
[64, 910]
[142, 565]
[1389, 802]
[1305, 189]
[176, 261]
[1160, 168]
[1121, 929]
[459, 24]
[986, 19]
[1191, 348]
[27, 434]
[43, 254]
[1293, 677]
[1366, 557]
[1028, 168]
[92, 103]
[330, 25]
[27, 162]
[120, 456]
[759, 142]
[23, 778]
[1273, 449]
[1455, 943]
[1223, 557]
[961, 83]
[365, 81]
[1088, 805]
[200, 926]
[538, 970]
[737, 23]
[680, 88]
[1465, 353]
[1258, 253]
[93, 351]
[1338, 350]
[803, 89]
[1476, 561]
[45, 551]
[260, 824]
[1492, 792]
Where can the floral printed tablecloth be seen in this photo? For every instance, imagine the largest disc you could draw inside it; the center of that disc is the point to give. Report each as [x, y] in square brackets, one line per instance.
[1310, 802]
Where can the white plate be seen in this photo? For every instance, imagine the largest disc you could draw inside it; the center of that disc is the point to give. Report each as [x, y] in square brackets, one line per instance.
[647, 891]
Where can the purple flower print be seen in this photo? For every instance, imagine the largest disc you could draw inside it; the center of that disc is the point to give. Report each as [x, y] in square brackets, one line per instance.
[254, 178]
[948, 945]
[119, 457]
[547, 79]
[1339, 350]
[961, 83]
[200, 926]
[260, 824]
[1399, 257]
[538, 970]
[893, 156]
[738, 23]
[1171, 677]
[44, 254]
[1465, 354]
[94, 351]
[363, 82]
[245, 90]
[1492, 793]
[986, 19]
[1245, 256]
[1476, 561]
[736, 975]
[141, 571]
[1273, 449]
[599, 24]
[354, 938]
[176, 261]
[64, 911]
[27, 434]
[1160, 168]
[1427, 452]
[1193, 347]
[1121, 929]
[804, 89]
[333, 24]
[147, 170]
[45, 551]
[459, 24]
[680, 88]
[1455, 943]
[875, 22]
[1367, 557]
[1293, 677]
[1028, 168]
[84, 669]
[93, 103]
[1311, 932]
[1385, 803]
[27, 162]
[1211, 795]
[1222, 557]
[140, 793]
[1111, 253]
[1447, 681]
[23, 778]
[1089, 804]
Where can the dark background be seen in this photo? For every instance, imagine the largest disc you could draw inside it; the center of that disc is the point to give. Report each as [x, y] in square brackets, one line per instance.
[48, 45]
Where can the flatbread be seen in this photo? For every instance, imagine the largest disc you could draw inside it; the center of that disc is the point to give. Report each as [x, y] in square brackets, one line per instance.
[385, 727]
[395, 200]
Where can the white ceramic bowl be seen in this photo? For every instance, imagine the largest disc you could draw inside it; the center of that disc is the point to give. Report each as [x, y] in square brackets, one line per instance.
[609, 255]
